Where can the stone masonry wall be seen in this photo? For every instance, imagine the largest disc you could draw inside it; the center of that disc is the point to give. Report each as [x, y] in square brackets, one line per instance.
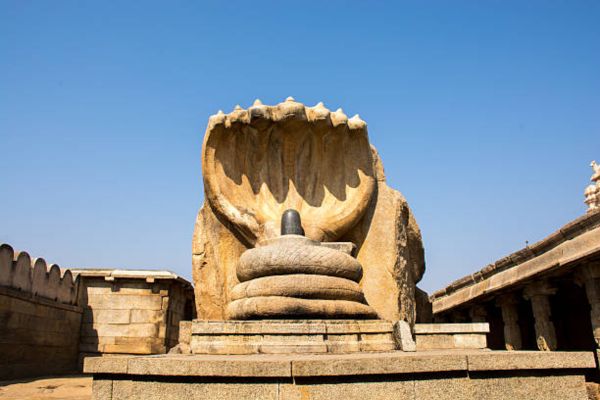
[39, 318]
[181, 308]
[131, 315]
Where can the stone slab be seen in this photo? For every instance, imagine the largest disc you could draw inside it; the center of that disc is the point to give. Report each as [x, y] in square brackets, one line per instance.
[291, 327]
[377, 364]
[444, 388]
[263, 366]
[475, 327]
[403, 336]
[112, 365]
[102, 389]
[451, 336]
[529, 360]
[118, 301]
[312, 365]
[514, 388]
[110, 274]
[144, 390]
[291, 336]
[369, 390]
[530, 387]
[445, 341]
[398, 375]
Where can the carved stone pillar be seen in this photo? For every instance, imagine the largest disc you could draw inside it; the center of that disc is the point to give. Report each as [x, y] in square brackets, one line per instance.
[478, 313]
[538, 294]
[589, 275]
[510, 317]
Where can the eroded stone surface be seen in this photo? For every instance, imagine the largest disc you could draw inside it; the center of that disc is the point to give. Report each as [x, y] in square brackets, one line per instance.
[302, 286]
[291, 336]
[432, 375]
[403, 336]
[281, 307]
[451, 336]
[294, 277]
[261, 161]
[54, 388]
[296, 255]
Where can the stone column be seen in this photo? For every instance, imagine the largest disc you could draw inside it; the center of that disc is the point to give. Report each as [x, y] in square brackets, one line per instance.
[510, 317]
[589, 275]
[478, 313]
[538, 294]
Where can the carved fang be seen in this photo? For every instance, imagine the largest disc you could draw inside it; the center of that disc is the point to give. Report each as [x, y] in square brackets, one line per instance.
[338, 118]
[356, 123]
[317, 113]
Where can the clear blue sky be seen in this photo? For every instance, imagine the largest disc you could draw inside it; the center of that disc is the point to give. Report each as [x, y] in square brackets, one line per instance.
[486, 114]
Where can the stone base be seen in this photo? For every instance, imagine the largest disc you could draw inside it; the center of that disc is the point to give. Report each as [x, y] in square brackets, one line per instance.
[451, 336]
[438, 375]
[291, 336]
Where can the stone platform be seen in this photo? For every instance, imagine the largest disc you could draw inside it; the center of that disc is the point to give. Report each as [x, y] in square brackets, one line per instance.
[451, 336]
[290, 336]
[454, 375]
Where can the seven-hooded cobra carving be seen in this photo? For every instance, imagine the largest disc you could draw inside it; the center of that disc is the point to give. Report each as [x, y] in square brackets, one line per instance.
[266, 159]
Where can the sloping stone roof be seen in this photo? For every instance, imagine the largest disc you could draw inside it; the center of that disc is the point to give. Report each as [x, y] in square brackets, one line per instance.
[572, 230]
[146, 274]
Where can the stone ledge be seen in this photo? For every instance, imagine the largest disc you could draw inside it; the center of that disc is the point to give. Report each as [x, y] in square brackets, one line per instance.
[110, 274]
[290, 327]
[476, 327]
[524, 360]
[377, 364]
[181, 366]
[290, 336]
[274, 366]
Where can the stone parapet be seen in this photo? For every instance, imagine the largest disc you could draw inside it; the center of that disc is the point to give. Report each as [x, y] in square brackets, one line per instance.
[451, 336]
[440, 375]
[35, 277]
[39, 318]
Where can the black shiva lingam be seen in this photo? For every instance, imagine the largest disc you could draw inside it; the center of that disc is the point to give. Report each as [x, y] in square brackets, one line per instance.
[293, 277]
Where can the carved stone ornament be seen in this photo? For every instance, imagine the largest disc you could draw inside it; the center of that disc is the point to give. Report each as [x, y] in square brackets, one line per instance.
[259, 162]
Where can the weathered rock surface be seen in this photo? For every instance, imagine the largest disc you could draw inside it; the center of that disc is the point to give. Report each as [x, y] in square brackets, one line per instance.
[261, 161]
[390, 250]
[300, 285]
[296, 255]
[295, 277]
[282, 307]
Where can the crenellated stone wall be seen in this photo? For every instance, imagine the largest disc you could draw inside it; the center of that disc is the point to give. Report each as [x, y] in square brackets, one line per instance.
[51, 317]
[39, 316]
